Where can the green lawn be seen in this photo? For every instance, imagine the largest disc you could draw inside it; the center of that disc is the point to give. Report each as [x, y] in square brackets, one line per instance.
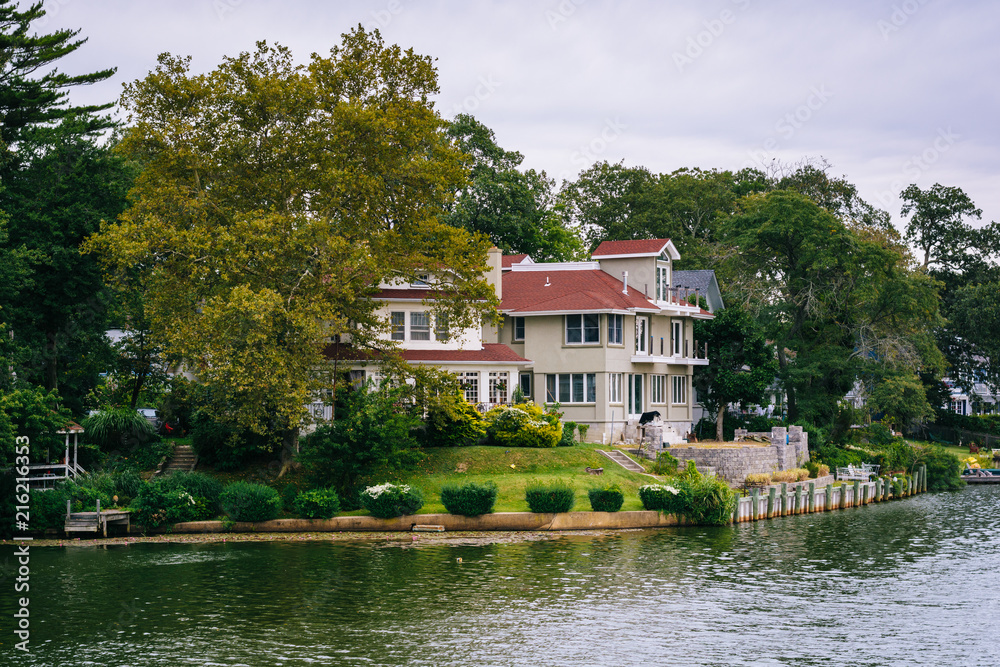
[512, 469]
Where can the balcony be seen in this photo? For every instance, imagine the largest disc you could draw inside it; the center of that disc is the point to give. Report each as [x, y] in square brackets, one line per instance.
[688, 354]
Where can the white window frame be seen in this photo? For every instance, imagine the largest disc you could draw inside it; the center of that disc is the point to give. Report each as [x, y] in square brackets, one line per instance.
[517, 322]
[571, 388]
[420, 330]
[582, 319]
[616, 329]
[658, 389]
[615, 388]
[641, 337]
[525, 382]
[678, 390]
[469, 381]
[662, 283]
[499, 387]
[397, 320]
[676, 337]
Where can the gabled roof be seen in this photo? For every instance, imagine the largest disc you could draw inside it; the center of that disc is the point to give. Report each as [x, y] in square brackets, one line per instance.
[568, 291]
[635, 248]
[700, 280]
[509, 260]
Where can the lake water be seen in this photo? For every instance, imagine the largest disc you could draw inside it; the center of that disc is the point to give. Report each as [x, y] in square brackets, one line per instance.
[912, 582]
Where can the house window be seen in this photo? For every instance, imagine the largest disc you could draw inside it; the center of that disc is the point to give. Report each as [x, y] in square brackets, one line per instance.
[662, 284]
[398, 321]
[571, 388]
[676, 337]
[616, 324]
[469, 381]
[498, 387]
[420, 326]
[441, 332]
[525, 380]
[680, 387]
[422, 280]
[614, 387]
[641, 335]
[583, 329]
[658, 388]
[518, 328]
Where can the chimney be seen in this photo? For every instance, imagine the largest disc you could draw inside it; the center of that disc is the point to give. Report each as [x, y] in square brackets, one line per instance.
[625, 282]
[494, 271]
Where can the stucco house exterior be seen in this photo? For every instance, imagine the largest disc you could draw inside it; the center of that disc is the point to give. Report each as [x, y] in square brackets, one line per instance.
[608, 339]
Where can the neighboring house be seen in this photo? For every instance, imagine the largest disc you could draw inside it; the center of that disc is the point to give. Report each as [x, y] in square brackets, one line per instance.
[609, 339]
[981, 401]
[700, 283]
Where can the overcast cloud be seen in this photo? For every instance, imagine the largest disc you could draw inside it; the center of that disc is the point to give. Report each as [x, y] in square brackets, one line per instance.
[890, 92]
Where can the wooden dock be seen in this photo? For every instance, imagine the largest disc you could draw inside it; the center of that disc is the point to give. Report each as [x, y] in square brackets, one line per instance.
[95, 522]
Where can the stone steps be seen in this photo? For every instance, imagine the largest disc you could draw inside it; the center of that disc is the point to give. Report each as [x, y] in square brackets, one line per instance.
[184, 459]
[624, 461]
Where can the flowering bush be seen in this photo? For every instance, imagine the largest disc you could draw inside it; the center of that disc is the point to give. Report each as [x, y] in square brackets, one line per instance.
[699, 499]
[661, 498]
[387, 501]
[522, 425]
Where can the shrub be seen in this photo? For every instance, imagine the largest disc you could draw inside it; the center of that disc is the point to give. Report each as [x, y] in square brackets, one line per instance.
[758, 479]
[155, 506]
[48, 509]
[803, 474]
[85, 496]
[823, 471]
[608, 499]
[198, 485]
[665, 464]
[117, 428]
[568, 438]
[812, 467]
[317, 504]
[452, 421]
[288, 495]
[661, 498]
[470, 499]
[387, 501]
[551, 498]
[780, 476]
[522, 425]
[944, 470]
[243, 501]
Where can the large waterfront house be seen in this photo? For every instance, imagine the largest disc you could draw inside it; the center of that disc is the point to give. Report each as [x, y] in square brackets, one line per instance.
[607, 339]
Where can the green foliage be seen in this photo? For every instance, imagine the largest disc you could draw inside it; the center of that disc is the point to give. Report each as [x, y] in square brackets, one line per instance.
[197, 484]
[664, 498]
[85, 494]
[470, 499]
[549, 498]
[224, 446]
[140, 456]
[568, 432]
[522, 425]
[34, 413]
[665, 464]
[387, 501]
[607, 499]
[699, 499]
[115, 428]
[371, 433]
[48, 509]
[452, 421]
[244, 501]
[156, 506]
[944, 469]
[109, 485]
[288, 496]
[317, 504]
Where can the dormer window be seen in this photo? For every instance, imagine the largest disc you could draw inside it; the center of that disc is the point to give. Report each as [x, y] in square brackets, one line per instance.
[662, 282]
[422, 280]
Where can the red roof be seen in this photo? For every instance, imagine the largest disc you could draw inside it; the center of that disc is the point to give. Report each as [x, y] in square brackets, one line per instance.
[651, 247]
[491, 352]
[419, 294]
[568, 291]
[508, 260]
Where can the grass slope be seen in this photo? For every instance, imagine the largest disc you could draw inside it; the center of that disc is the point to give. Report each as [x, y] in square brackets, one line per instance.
[458, 465]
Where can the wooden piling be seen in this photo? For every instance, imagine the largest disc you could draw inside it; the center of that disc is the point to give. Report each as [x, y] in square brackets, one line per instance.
[828, 504]
[784, 499]
[753, 505]
[798, 499]
[812, 497]
[770, 502]
[856, 496]
[864, 494]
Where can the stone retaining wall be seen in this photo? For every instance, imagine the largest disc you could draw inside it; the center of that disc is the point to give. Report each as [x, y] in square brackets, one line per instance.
[789, 449]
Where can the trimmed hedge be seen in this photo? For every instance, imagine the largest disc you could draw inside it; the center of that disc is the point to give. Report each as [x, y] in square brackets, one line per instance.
[243, 501]
[157, 505]
[317, 504]
[197, 484]
[387, 501]
[470, 499]
[542, 499]
[608, 499]
[522, 425]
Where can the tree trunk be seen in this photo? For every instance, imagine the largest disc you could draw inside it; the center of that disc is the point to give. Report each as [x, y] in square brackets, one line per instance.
[289, 448]
[718, 423]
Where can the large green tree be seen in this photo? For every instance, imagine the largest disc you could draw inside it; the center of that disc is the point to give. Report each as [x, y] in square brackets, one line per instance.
[938, 228]
[741, 363]
[515, 209]
[274, 201]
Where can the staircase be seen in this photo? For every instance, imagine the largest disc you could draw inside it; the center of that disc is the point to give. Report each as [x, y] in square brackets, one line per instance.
[184, 459]
[624, 461]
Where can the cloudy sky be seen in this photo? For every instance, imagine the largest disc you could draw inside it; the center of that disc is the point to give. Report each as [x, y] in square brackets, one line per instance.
[889, 92]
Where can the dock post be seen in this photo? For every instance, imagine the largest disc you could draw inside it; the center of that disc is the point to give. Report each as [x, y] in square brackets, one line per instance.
[784, 499]
[798, 499]
[69, 507]
[770, 502]
[856, 497]
[828, 505]
[753, 505]
[812, 497]
[864, 494]
[923, 476]
[843, 497]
